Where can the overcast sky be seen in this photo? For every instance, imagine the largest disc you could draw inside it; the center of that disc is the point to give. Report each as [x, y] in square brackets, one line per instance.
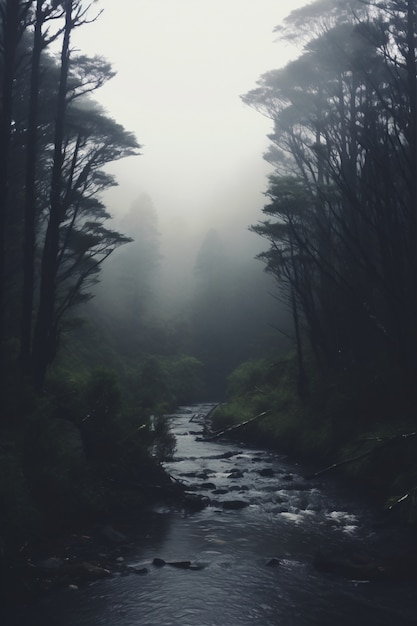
[181, 67]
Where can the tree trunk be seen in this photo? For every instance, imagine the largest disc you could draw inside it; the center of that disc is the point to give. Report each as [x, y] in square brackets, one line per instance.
[30, 196]
[44, 344]
[12, 15]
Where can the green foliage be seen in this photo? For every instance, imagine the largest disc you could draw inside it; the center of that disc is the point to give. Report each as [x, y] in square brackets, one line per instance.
[153, 383]
[248, 377]
[161, 382]
[56, 466]
[257, 386]
[186, 378]
[330, 425]
[101, 395]
[78, 453]
[340, 227]
[164, 442]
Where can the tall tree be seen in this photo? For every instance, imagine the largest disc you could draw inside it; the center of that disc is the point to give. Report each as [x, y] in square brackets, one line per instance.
[44, 11]
[76, 241]
[44, 339]
[344, 249]
[14, 20]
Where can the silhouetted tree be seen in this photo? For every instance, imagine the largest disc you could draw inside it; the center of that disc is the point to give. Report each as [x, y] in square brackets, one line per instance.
[14, 20]
[343, 199]
[44, 12]
[55, 143]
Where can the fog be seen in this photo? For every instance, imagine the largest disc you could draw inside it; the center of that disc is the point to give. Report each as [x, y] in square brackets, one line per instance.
[182, 66]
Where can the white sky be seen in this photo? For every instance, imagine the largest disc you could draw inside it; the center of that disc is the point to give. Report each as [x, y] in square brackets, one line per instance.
[181, 67]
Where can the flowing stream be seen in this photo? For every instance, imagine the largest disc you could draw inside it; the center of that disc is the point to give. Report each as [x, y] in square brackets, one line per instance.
[250, 566]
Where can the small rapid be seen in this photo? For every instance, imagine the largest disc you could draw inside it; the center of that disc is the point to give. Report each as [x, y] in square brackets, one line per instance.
[252, 551]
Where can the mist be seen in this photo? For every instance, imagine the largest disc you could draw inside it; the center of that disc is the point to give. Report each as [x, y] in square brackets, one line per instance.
[181, 70]
[189, 288]
[215, 228]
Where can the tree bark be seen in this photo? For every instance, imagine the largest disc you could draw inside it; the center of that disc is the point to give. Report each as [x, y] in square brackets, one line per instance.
[44, 344]
[13, 13]
[29, 242]
[230, 429]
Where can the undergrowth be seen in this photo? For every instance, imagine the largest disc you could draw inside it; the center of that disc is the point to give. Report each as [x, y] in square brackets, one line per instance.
[335, 423]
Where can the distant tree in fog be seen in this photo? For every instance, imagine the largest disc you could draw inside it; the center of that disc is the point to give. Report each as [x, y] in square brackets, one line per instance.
[229, 313]
[128, 287]
[140, 262]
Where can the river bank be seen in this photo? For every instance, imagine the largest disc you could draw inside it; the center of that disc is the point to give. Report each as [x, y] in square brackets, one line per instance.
[70, 553]
[259, 550]
[394, 550]
[336, 428]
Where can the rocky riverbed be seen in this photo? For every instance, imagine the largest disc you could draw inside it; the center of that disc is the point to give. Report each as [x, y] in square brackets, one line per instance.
[251, 542]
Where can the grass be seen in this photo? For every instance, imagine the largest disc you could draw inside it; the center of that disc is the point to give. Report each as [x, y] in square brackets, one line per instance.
[336, 422]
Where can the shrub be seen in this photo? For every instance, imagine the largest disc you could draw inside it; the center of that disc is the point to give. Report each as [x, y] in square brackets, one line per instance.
[20, 517]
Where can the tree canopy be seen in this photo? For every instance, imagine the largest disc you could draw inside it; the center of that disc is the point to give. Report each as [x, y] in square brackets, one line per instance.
[341, 217]
[55, 142]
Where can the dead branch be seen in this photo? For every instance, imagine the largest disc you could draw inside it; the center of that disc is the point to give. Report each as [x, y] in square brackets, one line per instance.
[235, 427]
[382, 444]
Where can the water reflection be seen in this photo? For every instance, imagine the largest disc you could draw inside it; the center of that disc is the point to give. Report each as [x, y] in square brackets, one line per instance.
[285, 517]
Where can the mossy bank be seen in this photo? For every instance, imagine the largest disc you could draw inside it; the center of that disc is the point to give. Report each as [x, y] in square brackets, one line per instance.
[351, 422]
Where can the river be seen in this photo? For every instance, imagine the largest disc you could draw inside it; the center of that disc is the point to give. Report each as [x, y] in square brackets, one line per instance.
[251, 566]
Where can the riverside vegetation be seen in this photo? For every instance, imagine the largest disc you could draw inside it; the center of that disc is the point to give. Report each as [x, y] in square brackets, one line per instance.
[82, 444]
[343, 424]
[84, 456]
[79, 444]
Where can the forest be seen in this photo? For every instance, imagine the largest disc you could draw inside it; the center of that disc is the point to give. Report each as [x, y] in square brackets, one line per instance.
[92, 358]
[340, 222]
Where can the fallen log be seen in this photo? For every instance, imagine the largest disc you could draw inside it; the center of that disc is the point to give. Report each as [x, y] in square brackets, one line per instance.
[381, 444]
[230, 429]
[201, 415]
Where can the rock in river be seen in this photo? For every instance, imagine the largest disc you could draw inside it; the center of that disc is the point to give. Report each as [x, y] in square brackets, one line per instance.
[266, 471]
[234, 505]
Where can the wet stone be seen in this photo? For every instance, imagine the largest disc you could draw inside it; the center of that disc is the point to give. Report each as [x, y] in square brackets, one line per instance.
[235, 474]
[274, 562]
[266, 471]
[204, 475]
[180, 564]
[194, 502]
[140, 571]
[234, 505]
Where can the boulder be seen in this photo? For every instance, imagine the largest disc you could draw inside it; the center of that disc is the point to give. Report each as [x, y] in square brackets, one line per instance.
[138, 570]
[266, 471]
[274, 562]
[234, 505]
[235, 473]
[194, 502]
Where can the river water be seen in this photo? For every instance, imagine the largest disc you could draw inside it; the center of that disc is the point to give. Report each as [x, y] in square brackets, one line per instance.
[232, 581]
